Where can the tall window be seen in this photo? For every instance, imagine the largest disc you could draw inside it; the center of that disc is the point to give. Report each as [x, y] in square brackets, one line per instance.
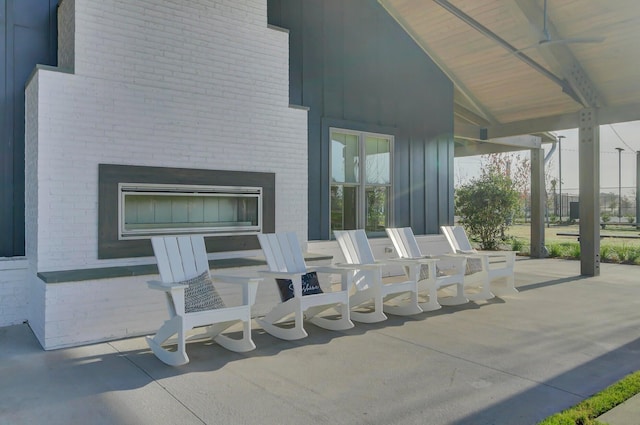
[360, 180]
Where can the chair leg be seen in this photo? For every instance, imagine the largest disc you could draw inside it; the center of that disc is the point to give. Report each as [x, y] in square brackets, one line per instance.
[485, 292]
[280, 312]
[365, 298]
[459, 299]
[408, 306]
[508, 289]
[169, 328]
[340, 324]
[432, 304]
[238, 345]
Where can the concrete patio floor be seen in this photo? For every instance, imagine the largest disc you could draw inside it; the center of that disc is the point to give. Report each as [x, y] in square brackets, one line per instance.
[512, 360]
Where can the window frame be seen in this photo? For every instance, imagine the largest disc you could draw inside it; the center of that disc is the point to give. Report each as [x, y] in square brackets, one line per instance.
[362, 184]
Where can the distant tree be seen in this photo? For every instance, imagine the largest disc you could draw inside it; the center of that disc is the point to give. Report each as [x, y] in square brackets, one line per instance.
[486, 205]
[516, 167]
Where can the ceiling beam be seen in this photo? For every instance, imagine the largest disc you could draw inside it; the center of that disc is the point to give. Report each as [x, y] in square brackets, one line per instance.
[561, 82]
[558, 57]
[469, 116]
[480, 110]
[607, 115]
[462, 149]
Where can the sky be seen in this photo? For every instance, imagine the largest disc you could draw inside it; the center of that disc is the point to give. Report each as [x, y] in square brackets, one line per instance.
[622, 135]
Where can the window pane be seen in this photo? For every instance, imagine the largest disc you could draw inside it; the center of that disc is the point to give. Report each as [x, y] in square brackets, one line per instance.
[344, 207]
[378, 168]
[377, 208]
[344, 158]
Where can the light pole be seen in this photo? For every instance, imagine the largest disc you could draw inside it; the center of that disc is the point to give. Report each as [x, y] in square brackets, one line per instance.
[619, 184]
[560, 173]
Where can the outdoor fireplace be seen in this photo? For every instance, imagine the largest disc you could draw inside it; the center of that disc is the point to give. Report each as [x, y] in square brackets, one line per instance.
[135, 203]
[155, 209]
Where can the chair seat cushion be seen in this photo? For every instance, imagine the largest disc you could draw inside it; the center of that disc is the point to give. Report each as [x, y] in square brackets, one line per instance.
[201, 295]
[310, 285]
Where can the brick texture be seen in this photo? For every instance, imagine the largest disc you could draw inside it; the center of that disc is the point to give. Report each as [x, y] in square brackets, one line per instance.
[165, 83]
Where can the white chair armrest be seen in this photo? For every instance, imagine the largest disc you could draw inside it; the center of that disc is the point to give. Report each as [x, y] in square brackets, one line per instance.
[280, 275]
[329, 270]
[370, 266]
[162, 286]
[421, 260]
[346, 274]
[237, 279]
[249, 285]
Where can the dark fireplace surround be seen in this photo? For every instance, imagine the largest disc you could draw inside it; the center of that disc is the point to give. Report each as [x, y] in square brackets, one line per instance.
[111, 175]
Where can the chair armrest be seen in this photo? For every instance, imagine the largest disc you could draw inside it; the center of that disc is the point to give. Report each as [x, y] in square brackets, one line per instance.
[329, 270]
[162, 286]
[280, 275]
[457, 260]
[369, 266]
[420, 260]
[249, 285]
[346, 274]
[237, 279]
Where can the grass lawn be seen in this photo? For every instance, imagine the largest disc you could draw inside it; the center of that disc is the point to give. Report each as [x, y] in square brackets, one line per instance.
[622, 244]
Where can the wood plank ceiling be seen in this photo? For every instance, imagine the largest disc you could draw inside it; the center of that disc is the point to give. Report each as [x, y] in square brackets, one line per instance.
[507, 83]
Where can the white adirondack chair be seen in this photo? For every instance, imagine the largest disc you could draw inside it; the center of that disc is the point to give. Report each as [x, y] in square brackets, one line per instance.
[180, 259]
[370, 290]
[285, 261]
[495, 264]
[404, 241]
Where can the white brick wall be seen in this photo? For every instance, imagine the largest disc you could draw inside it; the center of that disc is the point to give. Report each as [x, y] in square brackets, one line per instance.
[166, 83]
[13, 291]
[192, 84]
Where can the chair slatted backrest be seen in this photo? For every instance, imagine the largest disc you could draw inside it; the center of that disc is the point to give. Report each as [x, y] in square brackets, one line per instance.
[282, 252]
[462, 239]
[180, 257]
[355, 246]
[404, 242]
[447, 231]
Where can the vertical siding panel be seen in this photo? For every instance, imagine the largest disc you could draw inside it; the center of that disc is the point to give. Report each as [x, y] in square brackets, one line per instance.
[373, 77]
[312, 32]
[6, 153]
[29, 37]
[401, 185]
[418, 182]
[431, 189]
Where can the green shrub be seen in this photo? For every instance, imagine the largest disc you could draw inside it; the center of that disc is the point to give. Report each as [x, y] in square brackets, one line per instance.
[574, 250]
[627, 254]
[517, 244]
[486, 205]
[555, 250]
[606, 252]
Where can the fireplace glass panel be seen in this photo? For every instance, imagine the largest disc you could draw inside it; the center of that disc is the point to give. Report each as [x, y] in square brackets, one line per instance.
[148, 210]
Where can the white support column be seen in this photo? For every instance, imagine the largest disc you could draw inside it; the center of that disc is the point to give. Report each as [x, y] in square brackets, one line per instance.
[589, 164]
[538, 199]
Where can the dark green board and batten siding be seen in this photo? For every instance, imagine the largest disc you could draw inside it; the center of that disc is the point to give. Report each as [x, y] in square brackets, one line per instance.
[354, 67]
[28, 36]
